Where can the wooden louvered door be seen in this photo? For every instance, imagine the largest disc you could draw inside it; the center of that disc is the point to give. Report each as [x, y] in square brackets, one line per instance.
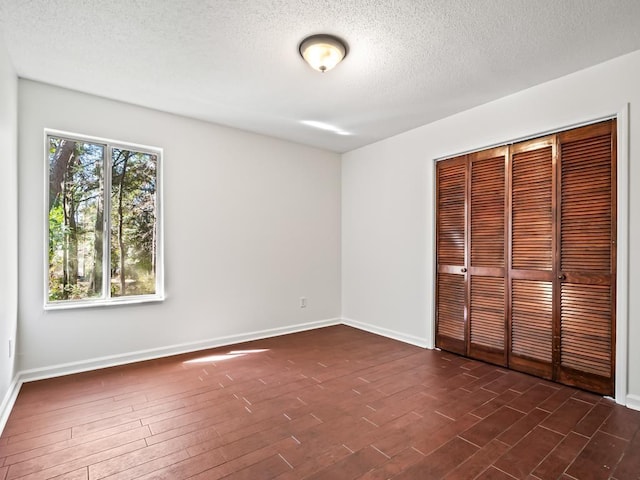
[532, 228]
[526, 256]
[585, 291]
[486, 277]
[451, 259]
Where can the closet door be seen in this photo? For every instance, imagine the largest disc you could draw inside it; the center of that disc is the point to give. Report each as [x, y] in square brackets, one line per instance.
[587, 257]
[526, 256]
[451, 312]
[486, 285]
[531, 245]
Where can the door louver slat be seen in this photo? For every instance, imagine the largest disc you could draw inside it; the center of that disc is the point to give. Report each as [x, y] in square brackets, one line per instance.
[487, 213]
[586, 328]
[487, 312]
[451, 218]
[451, 306]
[531, 319]
[586, 205]
[532, 216]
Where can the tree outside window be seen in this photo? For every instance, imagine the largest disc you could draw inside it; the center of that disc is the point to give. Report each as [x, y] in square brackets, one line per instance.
[103, 210]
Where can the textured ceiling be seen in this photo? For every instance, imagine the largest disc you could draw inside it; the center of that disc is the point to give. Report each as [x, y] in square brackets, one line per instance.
[236, 62]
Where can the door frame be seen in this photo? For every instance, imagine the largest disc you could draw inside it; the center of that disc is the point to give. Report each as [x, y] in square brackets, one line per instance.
[622, 223]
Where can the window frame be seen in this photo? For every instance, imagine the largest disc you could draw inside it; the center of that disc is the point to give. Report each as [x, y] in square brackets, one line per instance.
[106, 298]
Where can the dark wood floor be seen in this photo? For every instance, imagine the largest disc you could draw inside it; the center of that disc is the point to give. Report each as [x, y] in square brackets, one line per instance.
[333, 403]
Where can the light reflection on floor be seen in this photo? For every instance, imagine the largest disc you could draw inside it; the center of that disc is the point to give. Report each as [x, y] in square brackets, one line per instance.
[219, 357]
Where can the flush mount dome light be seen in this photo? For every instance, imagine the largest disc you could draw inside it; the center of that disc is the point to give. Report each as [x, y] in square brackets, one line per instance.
[323, 52]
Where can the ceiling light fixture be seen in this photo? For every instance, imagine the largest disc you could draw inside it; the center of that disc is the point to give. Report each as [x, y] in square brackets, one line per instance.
[323, 52]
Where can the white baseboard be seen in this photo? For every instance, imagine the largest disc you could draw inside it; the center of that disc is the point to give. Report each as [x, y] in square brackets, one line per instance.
[8, 401]
[633, 401]
[385, 332]
[154, 353]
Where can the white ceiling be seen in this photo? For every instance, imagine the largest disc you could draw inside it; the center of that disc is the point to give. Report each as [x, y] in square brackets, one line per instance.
[236, 62]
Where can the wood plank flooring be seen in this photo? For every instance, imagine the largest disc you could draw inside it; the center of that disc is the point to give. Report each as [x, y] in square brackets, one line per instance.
[333, 403]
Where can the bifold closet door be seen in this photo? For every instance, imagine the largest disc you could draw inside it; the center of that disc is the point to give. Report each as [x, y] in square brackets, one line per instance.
[587, 257]
[486, 284]
[532, 227]
[526, 256]
[451, 312]
[470, 246]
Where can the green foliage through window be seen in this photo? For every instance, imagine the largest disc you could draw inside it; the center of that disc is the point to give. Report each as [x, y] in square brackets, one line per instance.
[103, 211]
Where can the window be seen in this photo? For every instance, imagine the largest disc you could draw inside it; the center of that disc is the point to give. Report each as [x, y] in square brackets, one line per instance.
[103, 222]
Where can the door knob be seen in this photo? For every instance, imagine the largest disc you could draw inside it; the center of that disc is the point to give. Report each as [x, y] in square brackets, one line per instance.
[562, 276]
[463, 269]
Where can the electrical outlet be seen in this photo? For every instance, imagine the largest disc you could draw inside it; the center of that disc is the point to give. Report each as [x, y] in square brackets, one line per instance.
[303, 302]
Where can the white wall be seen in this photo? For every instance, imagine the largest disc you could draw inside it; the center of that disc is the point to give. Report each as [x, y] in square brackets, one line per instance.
[251, 224]
[9, 217]
[387, 198]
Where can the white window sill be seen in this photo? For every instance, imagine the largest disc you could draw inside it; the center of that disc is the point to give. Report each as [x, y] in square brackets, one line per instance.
[71, 304]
